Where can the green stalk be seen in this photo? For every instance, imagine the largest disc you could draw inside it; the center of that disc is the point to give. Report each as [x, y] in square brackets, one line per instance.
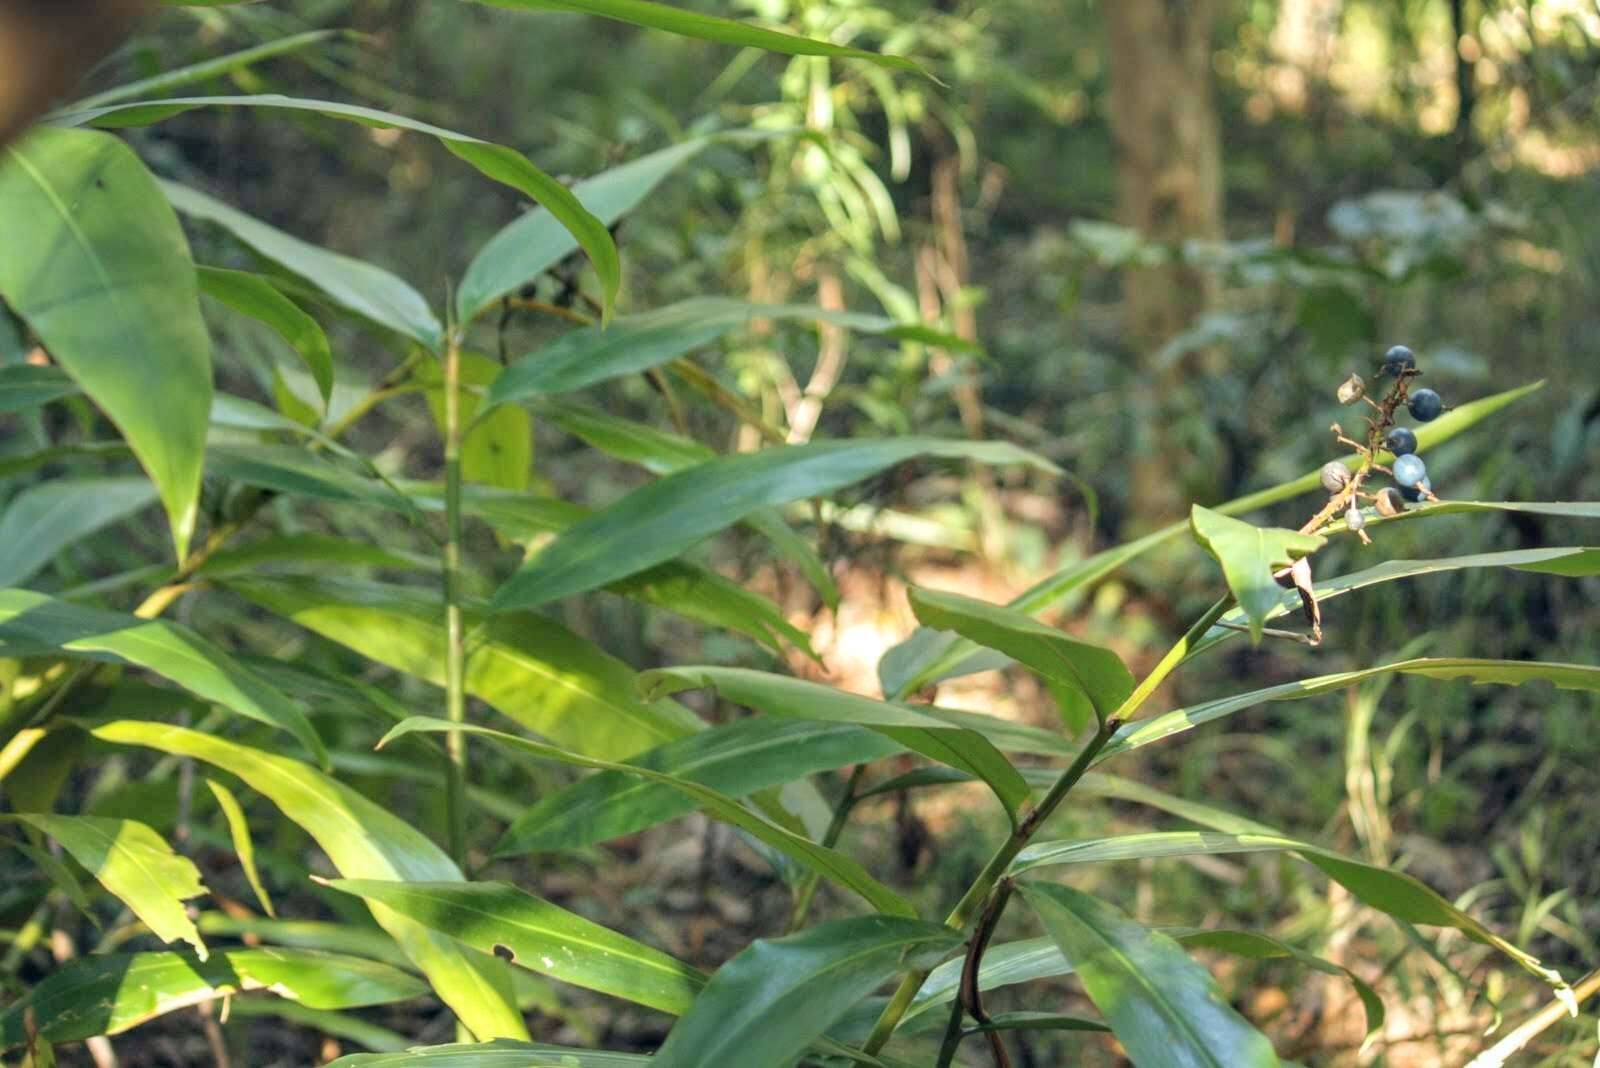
[455, 706]
[841, 814]
[998, 864]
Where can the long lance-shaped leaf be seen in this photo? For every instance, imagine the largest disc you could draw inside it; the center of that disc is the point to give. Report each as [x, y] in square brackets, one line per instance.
[42, 520]
[1087, 673]
[1164, 1008]
[531, 932]
[763, 1007]
[1498, 672]
[96, 264]
[928, 656]
[106, 994]
[530, 668]
[912, 727]
[33, 624]
[684, 23]
[494, 161]
[134, 863]
[826, 862]
[24, 386]
[243, 846]
[1435, 509]
[658, 521]
[735, 759]
[207, 69]
[498, 1054]
[363, 840]
[252, 295]
[637, 343]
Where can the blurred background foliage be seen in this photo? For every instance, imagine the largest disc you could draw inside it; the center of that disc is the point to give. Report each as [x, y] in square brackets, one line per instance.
[1309, 184]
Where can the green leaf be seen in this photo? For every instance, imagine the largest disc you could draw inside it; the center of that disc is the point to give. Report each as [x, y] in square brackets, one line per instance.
[97, 265]
[356, 285]
[1148, 844]
[24, 386]
[529, 667]
[1097, 675]
[135, 864]
[927, 657]
[108, 993]
[243, 847]
[252, 295]
[498, 1054]
[33, 624]
[1165, 1009]
[684, 23]
[912, 727]
[497, 449]
[363, 840]
[658, 521]
[1249, 555]
[735, 759]
[298, 471]
[493, 161]
[42, 520]
[637, 343]
[767, 1004]
[828, 863]
[528, 931]
[314, 552]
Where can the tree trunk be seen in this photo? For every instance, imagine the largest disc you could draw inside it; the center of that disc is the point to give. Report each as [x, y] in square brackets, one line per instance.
[1169, 188]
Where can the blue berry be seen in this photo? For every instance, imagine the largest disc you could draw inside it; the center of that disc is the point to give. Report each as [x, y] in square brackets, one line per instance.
[1409, 470]
[1398, 359]
[1425, 405]
[1415, 493]
[1400, 441]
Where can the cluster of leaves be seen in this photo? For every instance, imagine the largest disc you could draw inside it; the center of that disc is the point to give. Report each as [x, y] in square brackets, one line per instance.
[98, 273]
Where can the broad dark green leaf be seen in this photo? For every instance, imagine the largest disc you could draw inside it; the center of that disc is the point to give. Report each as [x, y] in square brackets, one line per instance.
[1097, 675]
[658, 521]
[493, 161]
[531, 932]
[108, 993]
[1249, 556]
[363, 840]
[767, 1004]
[530, 668]
[32, 624]
[735, 759]
[928, 656]
[498, 1054]
[42, 520]
[826, 862]
[243, 847]
[357, 285]
[134, 863]
[637, 343]
[24, 386]
[1165, 1009]
[686, 23]
[252, 295]
[97, 265]
[911, 726]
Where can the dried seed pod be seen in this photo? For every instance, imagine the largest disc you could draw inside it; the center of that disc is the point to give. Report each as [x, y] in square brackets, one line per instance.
[1354, 519]
[1352, 389]
[1335, 476]
[1390, 502]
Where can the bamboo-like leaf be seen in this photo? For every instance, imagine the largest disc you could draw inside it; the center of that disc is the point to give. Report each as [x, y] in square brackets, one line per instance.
[313, 552]
[928, 656]
[826, 862]
[735, 759]
[673, 19]
[514, 925]
[24, 386]
[252, 295]
[767, 1004]
[108, 993]
[498, 1054]
[32, 624]
[135, 864]
[912, 727]
[497, 449]
[205, 70]
[637, 343]
[1098, 676]
[529, 667]
[1165, 1008]
[1249, 556]
[657, 522]
[363, 840]
[97, 265]
[243, 847]
[42, 520]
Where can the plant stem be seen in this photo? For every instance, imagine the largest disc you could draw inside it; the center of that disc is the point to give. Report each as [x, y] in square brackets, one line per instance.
[968, 996]
[455, 707]
[1533, 1026]
[992, 872]
[841, 814]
